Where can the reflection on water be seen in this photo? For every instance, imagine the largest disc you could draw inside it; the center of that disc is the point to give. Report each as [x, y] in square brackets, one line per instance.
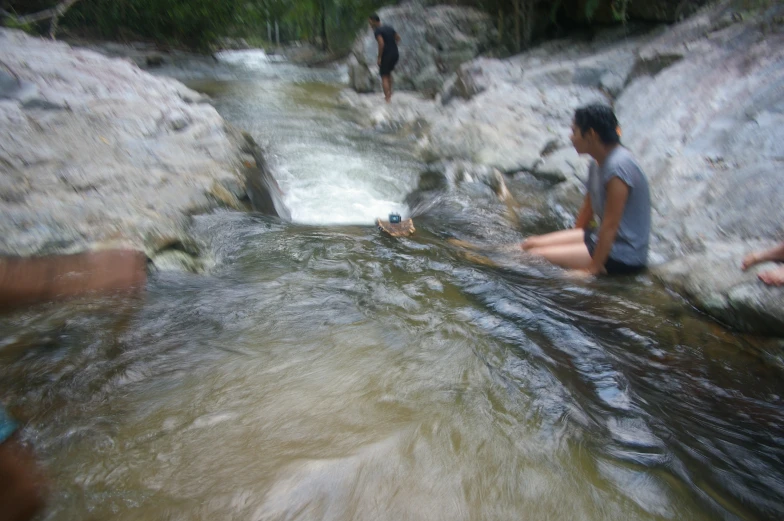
[328, 372]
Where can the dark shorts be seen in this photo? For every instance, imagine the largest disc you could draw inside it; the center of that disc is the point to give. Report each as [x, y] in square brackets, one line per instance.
[612, 266]
[387, 64]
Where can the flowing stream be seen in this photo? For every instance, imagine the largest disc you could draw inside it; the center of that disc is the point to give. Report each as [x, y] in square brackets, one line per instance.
[322, 371]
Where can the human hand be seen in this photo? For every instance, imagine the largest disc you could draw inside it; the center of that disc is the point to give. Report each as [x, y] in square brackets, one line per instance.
[586, 273]
[579, 274]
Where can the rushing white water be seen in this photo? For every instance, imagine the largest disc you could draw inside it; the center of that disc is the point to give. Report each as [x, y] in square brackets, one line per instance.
[329, 171]
[248, 58]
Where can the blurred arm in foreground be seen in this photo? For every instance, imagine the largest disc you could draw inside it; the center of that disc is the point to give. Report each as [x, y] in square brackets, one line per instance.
[29, 280]
[22, 484]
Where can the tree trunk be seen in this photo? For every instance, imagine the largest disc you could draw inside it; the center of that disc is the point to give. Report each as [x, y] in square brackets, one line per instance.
[528, 22]
[54, 14]
[324, 41]
[518, 46]
[500, 26]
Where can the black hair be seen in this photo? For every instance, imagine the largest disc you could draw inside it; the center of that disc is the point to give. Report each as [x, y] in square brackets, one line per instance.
[602, 119]
[375, 17]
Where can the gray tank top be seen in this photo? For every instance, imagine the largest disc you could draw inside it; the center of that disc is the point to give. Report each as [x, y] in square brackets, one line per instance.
[631, 241]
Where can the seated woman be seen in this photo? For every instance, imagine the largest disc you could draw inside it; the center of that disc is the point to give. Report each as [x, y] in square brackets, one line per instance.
[772, 277]
[617, 198]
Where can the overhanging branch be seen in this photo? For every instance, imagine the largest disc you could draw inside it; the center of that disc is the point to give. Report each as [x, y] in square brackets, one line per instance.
[55, 12]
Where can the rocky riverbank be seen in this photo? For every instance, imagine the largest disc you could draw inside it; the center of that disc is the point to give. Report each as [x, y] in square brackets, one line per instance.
[94, 150]
[702, 107]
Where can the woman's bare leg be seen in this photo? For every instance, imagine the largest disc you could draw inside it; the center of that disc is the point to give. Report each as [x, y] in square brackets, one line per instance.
[573, 236]
[571, 256]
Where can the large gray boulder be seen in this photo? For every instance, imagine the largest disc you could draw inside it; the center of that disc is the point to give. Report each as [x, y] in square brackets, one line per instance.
[94, 149]
[713, 282]
[515, 114]
[435, 41]
[709, 131]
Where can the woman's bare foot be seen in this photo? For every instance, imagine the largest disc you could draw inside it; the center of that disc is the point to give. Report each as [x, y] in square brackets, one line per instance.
[752, 259]
[529, 243]
[774, 277]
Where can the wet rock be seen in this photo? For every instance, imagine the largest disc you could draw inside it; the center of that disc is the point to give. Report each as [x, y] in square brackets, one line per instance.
[713, 156]
[175, 260]
[561, 165]
[101, 150]
[154, 60]
[360, 76]
[263, 190]
[509, 125]
[714, 283]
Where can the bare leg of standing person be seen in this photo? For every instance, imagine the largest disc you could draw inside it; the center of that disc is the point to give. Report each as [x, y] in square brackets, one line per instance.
[391, 85]
[386, 84]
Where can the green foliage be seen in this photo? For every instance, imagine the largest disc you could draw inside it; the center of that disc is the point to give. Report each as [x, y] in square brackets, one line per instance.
[13, 24]
[556, 5]
[619, 9]
[194, 23]
[197, 23]
[590, 8]
[332, 24]
[308, 20]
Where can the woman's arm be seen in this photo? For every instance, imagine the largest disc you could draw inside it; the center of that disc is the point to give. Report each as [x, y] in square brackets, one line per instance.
[615, 203]
[585, 215]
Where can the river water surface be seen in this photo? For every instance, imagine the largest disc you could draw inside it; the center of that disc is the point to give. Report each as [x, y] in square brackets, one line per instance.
[320, 371]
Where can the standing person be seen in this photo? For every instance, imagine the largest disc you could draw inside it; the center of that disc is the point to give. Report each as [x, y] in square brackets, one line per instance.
[618, 199]
[387, 40]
